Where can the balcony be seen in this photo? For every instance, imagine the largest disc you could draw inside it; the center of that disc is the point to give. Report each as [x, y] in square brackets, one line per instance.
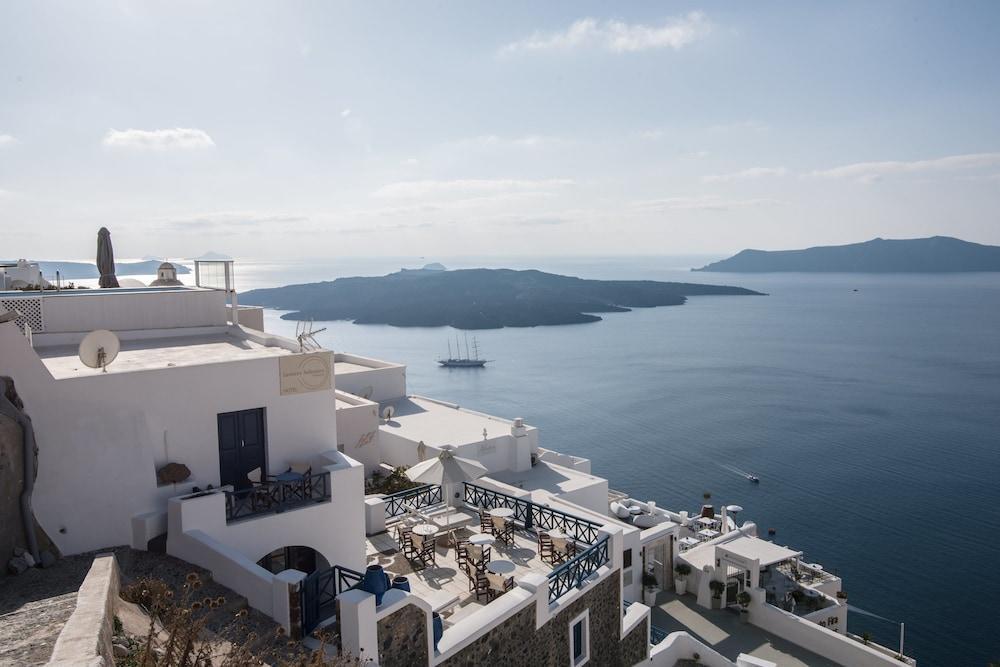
[277, 494]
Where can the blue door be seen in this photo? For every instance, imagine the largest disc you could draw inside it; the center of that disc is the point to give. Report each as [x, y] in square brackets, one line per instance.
[242, 446]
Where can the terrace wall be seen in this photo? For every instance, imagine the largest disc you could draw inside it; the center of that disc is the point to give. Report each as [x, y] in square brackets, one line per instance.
[381, 381]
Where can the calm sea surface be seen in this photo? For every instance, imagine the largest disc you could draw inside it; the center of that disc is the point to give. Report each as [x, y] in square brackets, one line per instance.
[868, 405]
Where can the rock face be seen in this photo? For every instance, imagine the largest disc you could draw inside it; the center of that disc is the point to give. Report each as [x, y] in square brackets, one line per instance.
[13, 545]
[173, 473]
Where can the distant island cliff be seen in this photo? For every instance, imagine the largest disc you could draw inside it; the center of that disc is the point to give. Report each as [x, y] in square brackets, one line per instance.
[937, 254]
[474, 298]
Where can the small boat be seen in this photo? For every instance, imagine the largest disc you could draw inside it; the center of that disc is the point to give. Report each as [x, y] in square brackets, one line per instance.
[753, 478]
[468, 361]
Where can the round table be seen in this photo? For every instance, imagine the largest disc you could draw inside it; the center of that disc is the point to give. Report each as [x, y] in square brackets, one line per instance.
[425, 529]
[482, 539]
[634, 510]
[502, 512]
[500, 566]
[557, 534]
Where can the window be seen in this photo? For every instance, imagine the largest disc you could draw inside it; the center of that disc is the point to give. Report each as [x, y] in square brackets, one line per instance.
[626, 559]
[579, 639]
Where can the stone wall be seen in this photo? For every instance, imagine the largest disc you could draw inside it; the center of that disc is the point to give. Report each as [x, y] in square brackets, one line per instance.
[517, 643]
[635, 645]
[402, 637]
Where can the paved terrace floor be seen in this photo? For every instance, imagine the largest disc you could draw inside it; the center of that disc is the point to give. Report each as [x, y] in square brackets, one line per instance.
[724, 632]
[447, 581]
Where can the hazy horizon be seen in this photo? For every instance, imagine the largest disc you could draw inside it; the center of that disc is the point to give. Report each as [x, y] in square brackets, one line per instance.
[568, 129]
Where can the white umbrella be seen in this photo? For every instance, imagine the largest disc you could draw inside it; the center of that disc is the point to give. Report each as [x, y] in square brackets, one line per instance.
[446, 470]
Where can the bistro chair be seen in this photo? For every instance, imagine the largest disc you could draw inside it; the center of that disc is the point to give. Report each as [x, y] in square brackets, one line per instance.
[503, 529]
[545, 547]
[485, 522]
[424, 549]
[479, 555]
[498, 584]
[404, 535]
[462, 552]
[479, 584]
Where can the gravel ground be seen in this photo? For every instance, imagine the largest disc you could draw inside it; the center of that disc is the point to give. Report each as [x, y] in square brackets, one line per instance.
[35, 605]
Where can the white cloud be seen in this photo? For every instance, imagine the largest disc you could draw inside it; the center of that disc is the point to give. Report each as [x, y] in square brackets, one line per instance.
[7, 140]
[229, 222]
[746, 174]
[466, 187]
[178, 138]
[616, 36]
[869, 172]
[345, 113]
[707, 203]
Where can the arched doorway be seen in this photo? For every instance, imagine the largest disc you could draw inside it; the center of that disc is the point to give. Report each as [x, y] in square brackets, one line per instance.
[303, 559]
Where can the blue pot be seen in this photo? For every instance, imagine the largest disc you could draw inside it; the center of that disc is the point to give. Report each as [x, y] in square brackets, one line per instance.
[402, 583]
[438, 629]
[376, 582]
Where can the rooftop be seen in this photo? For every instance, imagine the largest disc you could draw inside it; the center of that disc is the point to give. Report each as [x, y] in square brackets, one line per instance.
[753, 548]
[438, 423]
[147, 354]
[548, 479]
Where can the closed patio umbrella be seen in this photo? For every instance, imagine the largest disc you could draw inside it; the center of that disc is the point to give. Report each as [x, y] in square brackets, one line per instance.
[446, 470]
[106, 259]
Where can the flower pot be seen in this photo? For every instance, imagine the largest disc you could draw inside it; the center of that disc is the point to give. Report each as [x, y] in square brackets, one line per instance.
[402, 583]
[745, 615]
[438, 628]
[680, 585]
[376, 582]
[649, 596]
[716, 603]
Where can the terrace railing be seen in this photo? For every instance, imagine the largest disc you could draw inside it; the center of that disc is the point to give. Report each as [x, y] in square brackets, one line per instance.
[572, 573]
[397, 504]
[319, 594]
[533, 515]
[272, 496]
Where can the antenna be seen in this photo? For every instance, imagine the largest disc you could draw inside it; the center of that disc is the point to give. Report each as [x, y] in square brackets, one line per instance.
[306, 335]
[99, 348]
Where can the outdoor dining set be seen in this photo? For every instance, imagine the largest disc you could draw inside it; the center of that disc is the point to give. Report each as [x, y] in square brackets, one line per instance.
[488, 577]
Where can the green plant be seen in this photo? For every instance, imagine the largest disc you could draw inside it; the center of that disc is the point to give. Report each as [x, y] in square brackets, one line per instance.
[717, 588]
[649, 580]
[744, 599]
[866, 637]
[682, 570]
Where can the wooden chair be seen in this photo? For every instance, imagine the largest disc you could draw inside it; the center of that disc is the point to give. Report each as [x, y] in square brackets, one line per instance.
[424, 549]
[485, 522]
[479, 584]
[503, 529]
[462, 553]
[498, 584]
[562, 549]
[404, 535]
[545, 547]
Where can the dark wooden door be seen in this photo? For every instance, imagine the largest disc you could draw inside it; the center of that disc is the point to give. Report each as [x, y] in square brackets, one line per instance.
[242, 446]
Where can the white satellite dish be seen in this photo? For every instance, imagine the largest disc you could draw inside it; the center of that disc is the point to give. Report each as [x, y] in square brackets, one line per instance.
[733, 509]
[388, 412]
[99, 348]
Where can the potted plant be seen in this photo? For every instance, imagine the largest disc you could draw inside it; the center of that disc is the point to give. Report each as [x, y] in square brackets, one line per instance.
[744, 599]
[717, 588]
[650, 589]
[680, 581]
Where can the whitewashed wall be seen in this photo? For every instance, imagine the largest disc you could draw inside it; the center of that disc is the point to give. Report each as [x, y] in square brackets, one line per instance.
[382, 381]
[102, 437]
[357, 430]
[125, 311]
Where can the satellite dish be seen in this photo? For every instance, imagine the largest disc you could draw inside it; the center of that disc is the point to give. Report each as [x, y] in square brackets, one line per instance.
[130, 282]
[388, 412]
[733, 509]
[99, 348]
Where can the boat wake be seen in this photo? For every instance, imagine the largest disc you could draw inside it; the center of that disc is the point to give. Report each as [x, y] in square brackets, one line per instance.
[742, 473]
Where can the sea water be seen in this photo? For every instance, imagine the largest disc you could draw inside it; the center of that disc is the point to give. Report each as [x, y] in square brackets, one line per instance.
[868, 405]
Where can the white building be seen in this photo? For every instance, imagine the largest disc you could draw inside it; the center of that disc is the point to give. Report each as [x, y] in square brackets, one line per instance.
[278, 439]
[21, 274]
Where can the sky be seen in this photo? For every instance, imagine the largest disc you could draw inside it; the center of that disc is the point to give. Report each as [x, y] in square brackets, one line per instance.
[323, 129]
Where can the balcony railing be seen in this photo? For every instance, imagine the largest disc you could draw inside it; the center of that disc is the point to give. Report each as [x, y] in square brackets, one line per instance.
[572, 573]
[273, 496]
[397, 504]
[532, 515]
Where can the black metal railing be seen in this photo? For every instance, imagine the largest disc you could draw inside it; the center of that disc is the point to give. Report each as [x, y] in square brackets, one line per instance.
[656, 635]
[272, 496]
[571, 574]
[532, 515]
[319, 594]
[398, 503]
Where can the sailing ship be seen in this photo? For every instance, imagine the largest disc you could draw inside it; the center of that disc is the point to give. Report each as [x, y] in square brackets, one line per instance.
[468, 361]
